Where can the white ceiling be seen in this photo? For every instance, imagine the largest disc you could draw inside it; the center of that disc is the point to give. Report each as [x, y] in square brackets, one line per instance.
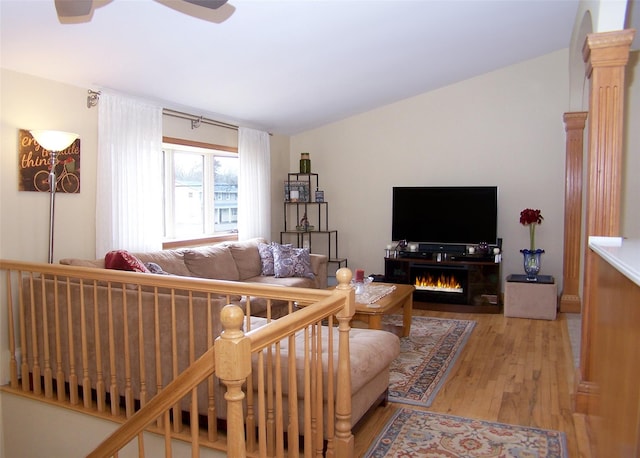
[283, 66]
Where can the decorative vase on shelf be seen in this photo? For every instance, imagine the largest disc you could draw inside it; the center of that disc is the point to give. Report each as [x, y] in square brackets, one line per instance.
[532, 263]
[305, 163]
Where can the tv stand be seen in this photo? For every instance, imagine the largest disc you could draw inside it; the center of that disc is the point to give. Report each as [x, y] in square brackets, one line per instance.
[459, 283]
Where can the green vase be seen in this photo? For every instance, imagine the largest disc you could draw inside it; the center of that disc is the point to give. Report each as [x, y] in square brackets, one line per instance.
[305, 163]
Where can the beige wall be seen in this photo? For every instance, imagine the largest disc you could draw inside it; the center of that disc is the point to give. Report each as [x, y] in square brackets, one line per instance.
[35, 429]
[34, 103]
[503, 128]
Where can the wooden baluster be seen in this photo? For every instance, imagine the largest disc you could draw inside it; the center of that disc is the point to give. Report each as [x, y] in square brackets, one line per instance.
[37, 389]
[13, 364]
[73, 376]
[23, 334]
[212, 426]
[316, 429]
[100, 382]
[86, 382]
[194, 419]
[293, 428]
[158, 353]
[343, 435]
[319, 393]
[262, 414]
[60, 379]
[330, 390]
[251, 416]
[47, 374]
[141, 365]
[233, 366]
[271, 431]
[113, 385]
[177, 414]
[24, 369]
[141, 354]
[307, 396]
[167, 434]
[128, 391]
[279, 419]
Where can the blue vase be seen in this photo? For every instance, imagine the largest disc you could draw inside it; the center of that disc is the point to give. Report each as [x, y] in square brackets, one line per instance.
[532, 263]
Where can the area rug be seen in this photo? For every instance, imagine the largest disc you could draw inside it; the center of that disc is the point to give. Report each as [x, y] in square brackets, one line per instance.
[426, 357]
[416, 433]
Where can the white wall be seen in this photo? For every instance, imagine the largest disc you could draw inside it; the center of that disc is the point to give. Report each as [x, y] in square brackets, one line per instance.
[503, 128]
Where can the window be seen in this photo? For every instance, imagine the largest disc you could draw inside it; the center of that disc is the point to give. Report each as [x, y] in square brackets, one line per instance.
[200, 191]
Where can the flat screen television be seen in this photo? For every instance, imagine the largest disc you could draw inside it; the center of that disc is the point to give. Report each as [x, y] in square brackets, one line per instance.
[445, 214]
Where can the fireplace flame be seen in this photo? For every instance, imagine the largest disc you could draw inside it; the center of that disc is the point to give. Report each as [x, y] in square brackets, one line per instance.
[441, 283]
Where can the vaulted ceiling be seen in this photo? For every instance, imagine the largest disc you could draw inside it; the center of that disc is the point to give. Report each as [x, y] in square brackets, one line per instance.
[284, 66]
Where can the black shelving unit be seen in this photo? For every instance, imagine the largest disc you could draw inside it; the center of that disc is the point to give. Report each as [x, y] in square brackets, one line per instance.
[317, 233]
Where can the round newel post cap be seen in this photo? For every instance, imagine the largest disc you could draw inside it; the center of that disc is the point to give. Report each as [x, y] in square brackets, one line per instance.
[344, 276]
[231, 318]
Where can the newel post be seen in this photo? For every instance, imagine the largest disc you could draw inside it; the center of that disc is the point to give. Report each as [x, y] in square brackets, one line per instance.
[233, 366]
[344, 437]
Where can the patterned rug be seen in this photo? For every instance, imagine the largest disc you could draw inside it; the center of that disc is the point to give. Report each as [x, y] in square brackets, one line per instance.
[414, 433]
[426, 356]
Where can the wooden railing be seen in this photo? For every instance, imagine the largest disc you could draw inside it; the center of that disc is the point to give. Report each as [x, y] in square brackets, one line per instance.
[158, 370]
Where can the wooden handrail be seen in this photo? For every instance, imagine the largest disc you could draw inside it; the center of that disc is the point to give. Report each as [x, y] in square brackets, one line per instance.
[45, 292]
[195, 284]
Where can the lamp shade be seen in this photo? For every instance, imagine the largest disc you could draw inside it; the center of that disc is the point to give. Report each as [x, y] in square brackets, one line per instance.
[54, 140]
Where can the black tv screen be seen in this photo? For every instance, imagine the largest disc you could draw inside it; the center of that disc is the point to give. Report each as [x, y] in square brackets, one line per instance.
[446, 214]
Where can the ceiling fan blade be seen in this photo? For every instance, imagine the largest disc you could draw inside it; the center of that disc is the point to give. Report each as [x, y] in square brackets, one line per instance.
[73, 8]
[211, 4]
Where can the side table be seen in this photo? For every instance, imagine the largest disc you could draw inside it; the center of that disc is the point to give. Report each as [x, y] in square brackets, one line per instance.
[531, 299]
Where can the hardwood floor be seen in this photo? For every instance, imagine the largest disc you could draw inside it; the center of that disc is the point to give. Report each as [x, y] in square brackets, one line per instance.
[512, 370]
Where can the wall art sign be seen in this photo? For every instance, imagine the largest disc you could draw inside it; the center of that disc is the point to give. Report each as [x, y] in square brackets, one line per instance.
[34, 165]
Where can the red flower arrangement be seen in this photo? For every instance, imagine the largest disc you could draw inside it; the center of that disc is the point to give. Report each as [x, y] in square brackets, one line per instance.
[530, 217]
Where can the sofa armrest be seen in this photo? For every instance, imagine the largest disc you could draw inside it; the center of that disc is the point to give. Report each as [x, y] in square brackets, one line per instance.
[319, 264]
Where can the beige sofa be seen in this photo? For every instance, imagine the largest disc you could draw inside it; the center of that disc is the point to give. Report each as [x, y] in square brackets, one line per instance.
[236, 261]
[146, 327]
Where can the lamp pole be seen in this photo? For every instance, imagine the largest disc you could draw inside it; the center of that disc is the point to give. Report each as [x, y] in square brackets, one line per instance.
[53, 141]
[52, 202]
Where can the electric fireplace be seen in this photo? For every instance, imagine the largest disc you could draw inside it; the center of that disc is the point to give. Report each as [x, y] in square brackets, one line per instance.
[446, 284]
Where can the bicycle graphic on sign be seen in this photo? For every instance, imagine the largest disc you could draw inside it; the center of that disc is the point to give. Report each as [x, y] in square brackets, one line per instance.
[67, 180]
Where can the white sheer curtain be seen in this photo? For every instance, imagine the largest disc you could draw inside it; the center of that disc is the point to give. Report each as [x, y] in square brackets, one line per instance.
[254, 184]
[129, 181]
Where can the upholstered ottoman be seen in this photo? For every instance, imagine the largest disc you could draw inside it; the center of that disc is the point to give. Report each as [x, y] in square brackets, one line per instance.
[531, 299]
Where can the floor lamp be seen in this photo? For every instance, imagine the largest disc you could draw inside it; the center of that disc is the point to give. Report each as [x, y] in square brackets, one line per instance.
[53, 141]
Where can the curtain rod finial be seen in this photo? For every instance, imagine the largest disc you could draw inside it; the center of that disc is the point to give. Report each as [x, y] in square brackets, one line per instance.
[92, 98]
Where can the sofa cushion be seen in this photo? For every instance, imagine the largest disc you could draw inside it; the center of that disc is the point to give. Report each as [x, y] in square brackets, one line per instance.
[123, 260]
[291, 262]
[171, 261]
[214, 262]
[247, 258]
[371, 352]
